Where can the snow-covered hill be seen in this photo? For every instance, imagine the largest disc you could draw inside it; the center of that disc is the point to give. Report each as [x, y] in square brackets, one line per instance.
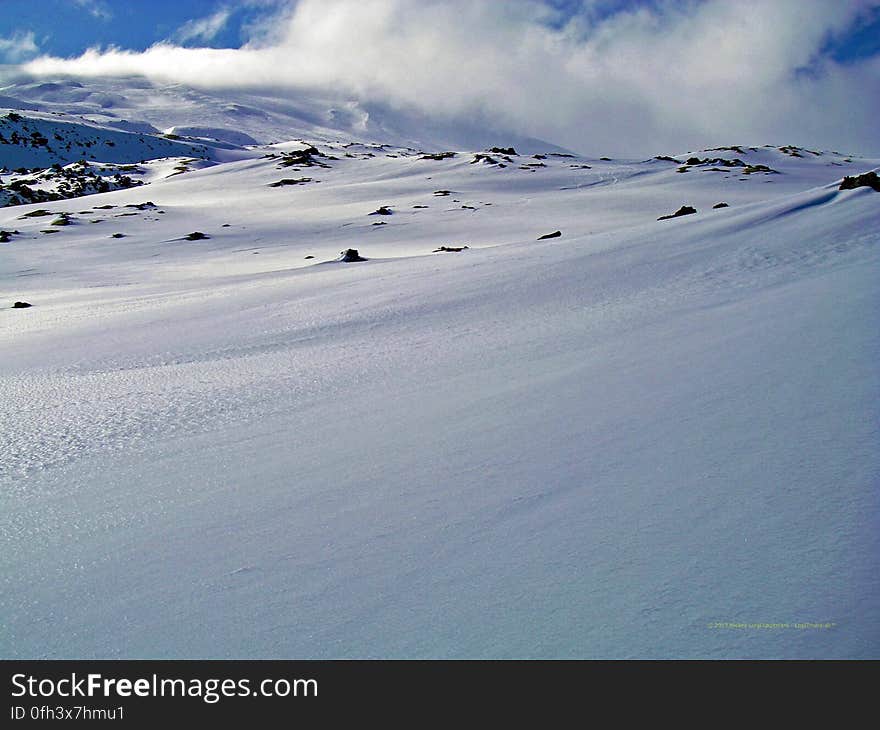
[53, 156]
[139, 105]
[637, 438]
[39, 140]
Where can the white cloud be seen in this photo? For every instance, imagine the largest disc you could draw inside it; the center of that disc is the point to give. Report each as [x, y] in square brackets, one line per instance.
[96, 8]
[203, 29]
[674, 76]
[18, 47]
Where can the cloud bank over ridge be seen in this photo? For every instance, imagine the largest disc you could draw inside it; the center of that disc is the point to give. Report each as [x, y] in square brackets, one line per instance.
[645, 79]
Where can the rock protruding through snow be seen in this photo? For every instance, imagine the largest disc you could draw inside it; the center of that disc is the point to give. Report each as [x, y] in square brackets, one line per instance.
[684, 210]
[350, 255]
[868, 180]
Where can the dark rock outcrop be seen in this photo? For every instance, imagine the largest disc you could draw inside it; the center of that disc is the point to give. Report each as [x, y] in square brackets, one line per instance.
[302, 158]
[716, 161]
[555, 234]
[438, 156]
[720, 205]
[868, 180]
[732, 148]
[351, 255]
[489, 160]
[196, 236]
[684, 210]
[21, 305]
[793, 151]
[290, 181]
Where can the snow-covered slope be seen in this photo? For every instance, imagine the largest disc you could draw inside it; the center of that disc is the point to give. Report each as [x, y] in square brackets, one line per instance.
[139, 105]
[608, 443]
[36, 139]
[55, 156]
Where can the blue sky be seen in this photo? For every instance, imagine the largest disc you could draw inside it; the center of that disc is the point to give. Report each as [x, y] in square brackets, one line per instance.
[68, 27]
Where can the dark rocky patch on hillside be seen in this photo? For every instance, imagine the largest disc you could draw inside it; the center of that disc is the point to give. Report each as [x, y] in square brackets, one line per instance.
[290, 181]
[351, 255]
[684, 210]
[62, 183]
[732, 148]
[793, 151]
[437, 156]
[868, 180]
[307, 157]
[489, 160]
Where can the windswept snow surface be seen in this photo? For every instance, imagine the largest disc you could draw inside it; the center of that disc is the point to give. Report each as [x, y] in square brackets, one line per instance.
[639, 439]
